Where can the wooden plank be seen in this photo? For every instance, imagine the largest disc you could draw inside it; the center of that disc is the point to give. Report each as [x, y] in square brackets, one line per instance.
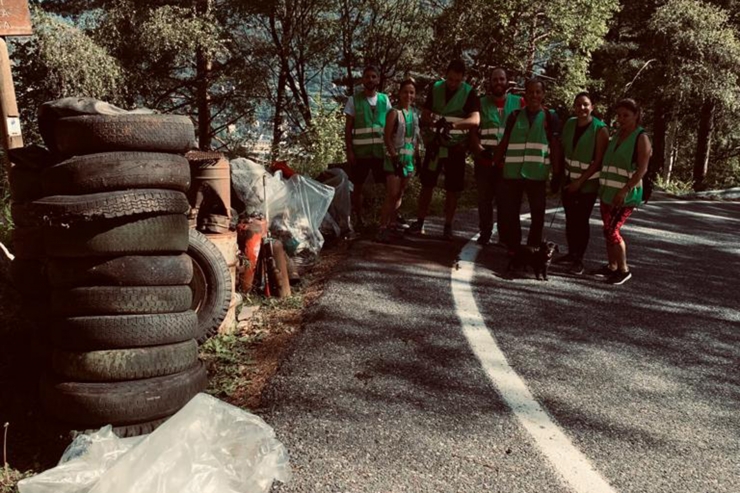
[15, 18]
[9, 118]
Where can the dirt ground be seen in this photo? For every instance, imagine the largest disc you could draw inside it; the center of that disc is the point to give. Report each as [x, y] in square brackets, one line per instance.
[239, 364]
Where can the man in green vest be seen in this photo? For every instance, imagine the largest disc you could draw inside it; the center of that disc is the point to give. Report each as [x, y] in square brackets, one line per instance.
[452, 104]
[363, 134]
[527, 153]
[495, 108]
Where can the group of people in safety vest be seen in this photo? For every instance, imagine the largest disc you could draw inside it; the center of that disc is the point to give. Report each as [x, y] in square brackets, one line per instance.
[518, 145]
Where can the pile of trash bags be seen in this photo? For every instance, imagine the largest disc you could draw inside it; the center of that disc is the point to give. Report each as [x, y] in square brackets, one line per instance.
[301, 210]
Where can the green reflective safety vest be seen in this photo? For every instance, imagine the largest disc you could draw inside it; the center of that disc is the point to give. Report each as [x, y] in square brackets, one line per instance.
[492, 123]
[579, 159]
[528, 154]
[618, 167]
[404, 140]
[367, 131]
[453, 111]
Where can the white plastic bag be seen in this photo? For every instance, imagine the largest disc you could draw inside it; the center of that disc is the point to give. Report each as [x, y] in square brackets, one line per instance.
[209, 446]
[82, 464]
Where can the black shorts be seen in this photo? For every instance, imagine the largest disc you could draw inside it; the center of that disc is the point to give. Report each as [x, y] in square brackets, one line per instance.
[363, 166]
[454, 170]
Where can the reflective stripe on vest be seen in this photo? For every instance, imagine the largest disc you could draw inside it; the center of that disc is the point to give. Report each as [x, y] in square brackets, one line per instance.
[367, 134]
[618, 168]
[579, 159]
[492, 123]
[528, 153]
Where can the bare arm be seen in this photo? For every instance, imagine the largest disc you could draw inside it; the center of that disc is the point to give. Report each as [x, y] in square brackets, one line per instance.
[348, 125]
[644, 151]
[427, 118]
[390, 125]
[470, 122]
[475, 145]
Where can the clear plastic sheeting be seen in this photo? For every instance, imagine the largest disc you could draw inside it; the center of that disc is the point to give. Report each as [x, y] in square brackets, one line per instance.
[306, 205]
[296, 207]
[207, 447]
[246, 180]
[337, 220]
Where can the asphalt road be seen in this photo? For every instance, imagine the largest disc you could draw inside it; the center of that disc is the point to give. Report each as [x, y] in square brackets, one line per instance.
[383, 391]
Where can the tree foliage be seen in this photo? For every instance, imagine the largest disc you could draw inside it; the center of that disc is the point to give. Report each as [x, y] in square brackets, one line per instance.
[283, 68]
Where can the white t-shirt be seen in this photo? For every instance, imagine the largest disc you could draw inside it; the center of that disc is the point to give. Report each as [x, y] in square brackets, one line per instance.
[349, 108]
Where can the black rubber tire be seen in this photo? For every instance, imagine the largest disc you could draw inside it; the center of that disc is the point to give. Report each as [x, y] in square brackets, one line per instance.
[29, 276]
[127, 431]
[123, 331]
[95, 404]
[116, 171]
[67, 209]
[24, 215]
[28, 243]
[129, 270]
[24, 184]
[114, 300]
[113, 365]
[90, 134]
[211, 285]
[124, 236]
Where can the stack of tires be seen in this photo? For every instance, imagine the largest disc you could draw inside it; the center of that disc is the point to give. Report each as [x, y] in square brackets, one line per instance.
[115, 234]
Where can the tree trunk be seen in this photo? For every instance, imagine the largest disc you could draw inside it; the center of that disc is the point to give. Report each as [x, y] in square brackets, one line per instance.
[657, 160]
[671, 151]
[277, 129]
[704, 137]
[204, 63]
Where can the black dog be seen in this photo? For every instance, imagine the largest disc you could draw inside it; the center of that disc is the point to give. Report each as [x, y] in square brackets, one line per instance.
[537, 257]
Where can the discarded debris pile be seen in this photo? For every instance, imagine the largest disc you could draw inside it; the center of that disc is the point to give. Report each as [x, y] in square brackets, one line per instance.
[100, 242]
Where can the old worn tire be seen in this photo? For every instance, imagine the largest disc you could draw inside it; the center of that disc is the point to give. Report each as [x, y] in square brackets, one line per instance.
[24, 184]
[94, 404]
[114, 300]
[29, 276]
[123, 331]
[28, 242]
[123, 236]
[67, 209]
[116, 171]
[90, 134]
[113, 365]
[24, 215]
[211, 285]
[126, 431]
[128, 270]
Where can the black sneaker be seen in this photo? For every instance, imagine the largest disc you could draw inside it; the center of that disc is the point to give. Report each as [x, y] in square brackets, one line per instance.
[577, 268]
[447, 232]
[401, 223]
[484, 239]
[417, 227]
[619, 277]
[604, 271]
[565, 259]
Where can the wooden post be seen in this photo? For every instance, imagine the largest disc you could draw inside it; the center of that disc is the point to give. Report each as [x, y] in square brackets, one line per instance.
[11, 123]
[15, 20]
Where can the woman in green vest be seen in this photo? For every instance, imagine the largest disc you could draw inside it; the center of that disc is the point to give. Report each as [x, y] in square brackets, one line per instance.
[584, 141]
[401, 140]
[620, 186]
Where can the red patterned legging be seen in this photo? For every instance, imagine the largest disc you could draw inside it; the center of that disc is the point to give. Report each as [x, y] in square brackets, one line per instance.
[614, 218]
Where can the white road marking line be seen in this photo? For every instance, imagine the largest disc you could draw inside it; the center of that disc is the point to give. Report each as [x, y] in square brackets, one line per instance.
[575, 469]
